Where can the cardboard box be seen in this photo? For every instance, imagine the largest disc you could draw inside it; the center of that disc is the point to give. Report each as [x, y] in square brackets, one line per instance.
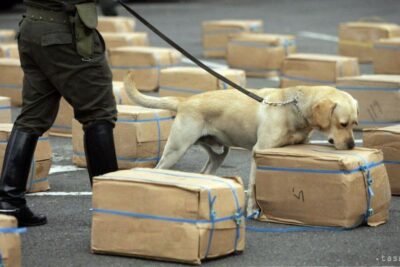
[216, 34]
[260, 55]
[187, 81]
[387, 139]
[118, 39]
[144, 62]
[316, 69]
[115, 24]
[11, 80]
[176, 224]
[10, 242]
[378, 98]
[5, 109]
[322, 186]
[386, 56]
[62, 126]
[7, 36]
[9, 50]
[140, 135]
[38, 177]
[356, 39]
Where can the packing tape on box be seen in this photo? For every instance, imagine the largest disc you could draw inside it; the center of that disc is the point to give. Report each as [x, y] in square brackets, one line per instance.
[236, 217]
[386, 46]
[356, 43]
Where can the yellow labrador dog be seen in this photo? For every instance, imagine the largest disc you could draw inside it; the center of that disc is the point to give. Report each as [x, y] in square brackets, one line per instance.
[228, 118]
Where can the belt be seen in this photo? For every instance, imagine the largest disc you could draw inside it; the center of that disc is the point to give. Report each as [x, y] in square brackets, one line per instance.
[47, 15]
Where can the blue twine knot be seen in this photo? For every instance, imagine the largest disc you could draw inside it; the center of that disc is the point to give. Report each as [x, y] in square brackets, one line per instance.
[238, 217]
[363, 168]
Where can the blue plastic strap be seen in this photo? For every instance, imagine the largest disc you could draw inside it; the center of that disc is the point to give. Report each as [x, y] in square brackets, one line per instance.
[387, 46]
[289, 77]
[10, 86]
[13, 230]
[213, 216]
[5, 107]
[182, 90]
[367, 88]
[145, 120]
[391, 161]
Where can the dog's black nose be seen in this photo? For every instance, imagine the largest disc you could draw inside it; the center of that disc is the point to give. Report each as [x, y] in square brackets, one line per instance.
[331, 141]
[351, 144]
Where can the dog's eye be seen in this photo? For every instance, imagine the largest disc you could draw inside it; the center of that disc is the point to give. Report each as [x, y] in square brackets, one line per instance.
[344, 125]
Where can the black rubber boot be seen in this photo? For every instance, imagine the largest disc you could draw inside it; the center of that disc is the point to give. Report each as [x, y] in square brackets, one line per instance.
[14, 176]
[100, 149]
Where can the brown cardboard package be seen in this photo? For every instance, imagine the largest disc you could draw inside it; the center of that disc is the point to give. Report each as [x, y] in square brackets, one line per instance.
[316, 69]
[386, 56]
[9, 50]
[117, 39]
[115, 24]
[388, 140]
[176, 224]
[140, 135]
[378, 98]
[7, 36]
[144, 62]
[63, 124]
[10, 242]
[356, 39]
[216, 34]
[5, 109]
[187, 81]
[38, 176]
[11, 80]
[322, 186]
[260, 55]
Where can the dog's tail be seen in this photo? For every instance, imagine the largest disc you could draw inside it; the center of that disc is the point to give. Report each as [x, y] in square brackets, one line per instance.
[170, 103]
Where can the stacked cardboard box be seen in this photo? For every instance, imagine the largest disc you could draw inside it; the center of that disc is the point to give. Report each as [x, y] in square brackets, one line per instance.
[386, 56]
[5, 109]
[177, 224]
[187, 81]
[388, 140]
[140, 136]
[9, 50]
[144, 62]
[321, 186]
[63, 124]
[356, 39]
[378, 98]
[38, 176]
[117, 39]
[315, 69]
[10, 242]
[216, 34]
[115, 24]
[7, 36]
[260, 55]
[11, 80]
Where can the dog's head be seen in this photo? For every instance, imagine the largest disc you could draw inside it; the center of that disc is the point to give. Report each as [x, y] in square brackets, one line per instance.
[335, 115]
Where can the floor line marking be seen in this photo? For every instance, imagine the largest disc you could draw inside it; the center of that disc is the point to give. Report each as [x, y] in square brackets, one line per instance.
[319, 36]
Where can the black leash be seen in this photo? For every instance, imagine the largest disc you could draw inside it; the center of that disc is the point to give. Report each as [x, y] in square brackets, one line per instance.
[189, 56]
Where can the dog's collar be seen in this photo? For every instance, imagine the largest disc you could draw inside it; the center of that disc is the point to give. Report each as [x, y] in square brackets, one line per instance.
[294, 101]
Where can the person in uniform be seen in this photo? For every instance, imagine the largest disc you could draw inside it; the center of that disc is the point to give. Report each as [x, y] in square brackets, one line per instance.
[62, 55]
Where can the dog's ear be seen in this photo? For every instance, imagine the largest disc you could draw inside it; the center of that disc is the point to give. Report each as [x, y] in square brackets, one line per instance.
[322, 113]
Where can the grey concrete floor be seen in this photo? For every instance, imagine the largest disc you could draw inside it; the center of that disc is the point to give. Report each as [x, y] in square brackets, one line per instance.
[65, 241]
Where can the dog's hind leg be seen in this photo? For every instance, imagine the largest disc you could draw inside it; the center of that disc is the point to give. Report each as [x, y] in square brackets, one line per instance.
[180, 139]
[214, 159]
